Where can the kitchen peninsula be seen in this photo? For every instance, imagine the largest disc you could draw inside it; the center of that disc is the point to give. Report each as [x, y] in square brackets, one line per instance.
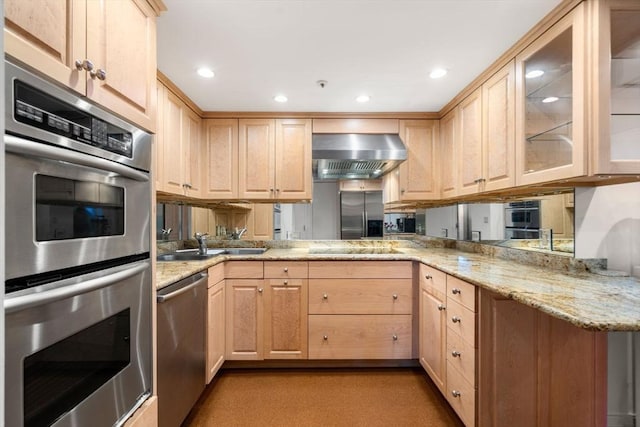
[543, 309]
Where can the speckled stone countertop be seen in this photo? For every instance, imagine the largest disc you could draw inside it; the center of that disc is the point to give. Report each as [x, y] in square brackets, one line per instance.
[586, 300]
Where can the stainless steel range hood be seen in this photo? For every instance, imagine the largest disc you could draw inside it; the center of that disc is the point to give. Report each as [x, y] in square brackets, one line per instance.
[355, 155]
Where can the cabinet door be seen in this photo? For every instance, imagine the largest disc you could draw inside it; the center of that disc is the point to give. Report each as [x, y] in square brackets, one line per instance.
[221, 159]
[121, 40]
[432, 339]
[617, 115]
[48, 35]
[293, 175]
[448, 154]
[256, 159]
[244, 314]
[550, 103]
[261, 221]
[173, 152]
[285, 319]
[391, 186]
[215, 329]
[192, 144]
[470, 153]
[158, 141]
[498, 127]
[418, 173]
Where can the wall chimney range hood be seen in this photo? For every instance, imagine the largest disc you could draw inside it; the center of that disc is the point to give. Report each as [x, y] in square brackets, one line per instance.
[355, 155]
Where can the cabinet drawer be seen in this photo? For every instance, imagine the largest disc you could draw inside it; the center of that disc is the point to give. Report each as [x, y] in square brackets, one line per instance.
[360, 337]
[286, 269]
[360, 270]
[360, 296]
[243, 270]
[433, 281]
[461, 395]
[462, 356]
[216, 274]
[462, 321]
[461, 292]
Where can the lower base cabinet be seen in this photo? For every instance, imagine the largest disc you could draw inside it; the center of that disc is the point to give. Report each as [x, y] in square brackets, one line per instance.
[215, 321]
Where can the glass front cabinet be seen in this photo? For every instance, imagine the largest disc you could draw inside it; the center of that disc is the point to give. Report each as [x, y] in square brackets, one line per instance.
[616, 103]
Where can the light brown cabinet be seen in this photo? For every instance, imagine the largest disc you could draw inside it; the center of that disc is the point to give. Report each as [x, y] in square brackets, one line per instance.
[215, 321]
[448, 148]
[179, 148]
[529, 373]
[266, 310]
[360, 310]
[361, 185]
[432, 324]
[470, 143]
[275, 159]
[220, 159]
[417, 176]
[260, 222]
[105, 50]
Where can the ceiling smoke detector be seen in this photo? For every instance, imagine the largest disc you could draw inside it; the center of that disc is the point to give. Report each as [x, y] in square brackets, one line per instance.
[322, 83]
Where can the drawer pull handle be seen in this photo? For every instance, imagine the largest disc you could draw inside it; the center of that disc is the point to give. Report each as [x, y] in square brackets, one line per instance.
[456, 291]
[428, 277]
[455, 319]
[441, 307]
[260, 290]
[456, 353]
[286, 269]
[395, 337]
[326, 338]
[455, 393]
[325, 296]
[395, 296]
[286, 282]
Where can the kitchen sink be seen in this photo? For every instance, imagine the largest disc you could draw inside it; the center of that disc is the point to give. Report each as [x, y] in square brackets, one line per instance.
[245, 251]
[189, 256]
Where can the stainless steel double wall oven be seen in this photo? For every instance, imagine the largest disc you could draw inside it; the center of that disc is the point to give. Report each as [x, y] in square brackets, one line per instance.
[78, 272]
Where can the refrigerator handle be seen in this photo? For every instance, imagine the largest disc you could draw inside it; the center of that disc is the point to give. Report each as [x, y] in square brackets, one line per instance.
[365, 232]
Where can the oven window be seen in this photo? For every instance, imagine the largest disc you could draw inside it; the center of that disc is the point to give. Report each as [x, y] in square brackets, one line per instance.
[70, 209]
[59, 377]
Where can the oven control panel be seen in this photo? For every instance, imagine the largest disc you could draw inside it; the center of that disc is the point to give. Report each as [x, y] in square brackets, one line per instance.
[38, 109]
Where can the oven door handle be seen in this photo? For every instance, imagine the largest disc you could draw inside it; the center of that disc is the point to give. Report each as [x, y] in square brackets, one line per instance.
[12, 305]
[37, 149]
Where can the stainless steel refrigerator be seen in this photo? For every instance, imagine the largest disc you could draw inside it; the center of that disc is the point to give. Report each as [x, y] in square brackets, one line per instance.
[361, 214]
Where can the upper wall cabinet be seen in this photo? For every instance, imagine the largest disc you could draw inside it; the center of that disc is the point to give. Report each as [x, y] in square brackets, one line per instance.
[221, 159]
[275, 159]
[616, 41]
[550, 103]
[448, 149]
[105, 50]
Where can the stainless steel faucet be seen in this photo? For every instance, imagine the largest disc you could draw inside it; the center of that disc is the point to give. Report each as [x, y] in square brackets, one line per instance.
[201, 238]
[237, 235]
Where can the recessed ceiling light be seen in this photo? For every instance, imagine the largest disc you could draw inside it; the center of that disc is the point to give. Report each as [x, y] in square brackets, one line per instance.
[533, 74]
[550, 99]
[363, 98]
[205, 72]
[436, 73]
[280, 98]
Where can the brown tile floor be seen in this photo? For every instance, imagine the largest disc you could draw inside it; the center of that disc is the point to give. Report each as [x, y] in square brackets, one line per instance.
[322, 397]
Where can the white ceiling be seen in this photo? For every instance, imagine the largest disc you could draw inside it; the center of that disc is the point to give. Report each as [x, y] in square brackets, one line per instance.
[382, 48]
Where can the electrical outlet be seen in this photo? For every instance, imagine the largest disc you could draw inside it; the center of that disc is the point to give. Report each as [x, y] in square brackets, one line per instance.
[486, 220]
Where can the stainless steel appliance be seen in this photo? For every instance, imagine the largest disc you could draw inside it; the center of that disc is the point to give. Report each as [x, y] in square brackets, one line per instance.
[361, 214]
[181, 348]
[78, 274]
[277, 226]
[406, 225]
[522, 219]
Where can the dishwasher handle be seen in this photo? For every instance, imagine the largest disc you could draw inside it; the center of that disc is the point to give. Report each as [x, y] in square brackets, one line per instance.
[181, 287]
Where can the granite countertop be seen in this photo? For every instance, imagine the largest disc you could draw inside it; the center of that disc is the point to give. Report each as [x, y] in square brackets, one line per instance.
[584, 299]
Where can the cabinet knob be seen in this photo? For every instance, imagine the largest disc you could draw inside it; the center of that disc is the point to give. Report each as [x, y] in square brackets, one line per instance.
[84, 65]
[402, 190]
[286, 282]
[441, 307]
[455, 319]
[428, 277]
[99, 73]
[456, 291]
[455, 393]
[286, 269]
[326, 338]
[395, 296]
[456, 353]
[260, 290]
[325, 296]
[395, 337]
[271, 190]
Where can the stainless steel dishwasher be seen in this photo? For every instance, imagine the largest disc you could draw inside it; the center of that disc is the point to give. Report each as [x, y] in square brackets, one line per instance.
[181, 348]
